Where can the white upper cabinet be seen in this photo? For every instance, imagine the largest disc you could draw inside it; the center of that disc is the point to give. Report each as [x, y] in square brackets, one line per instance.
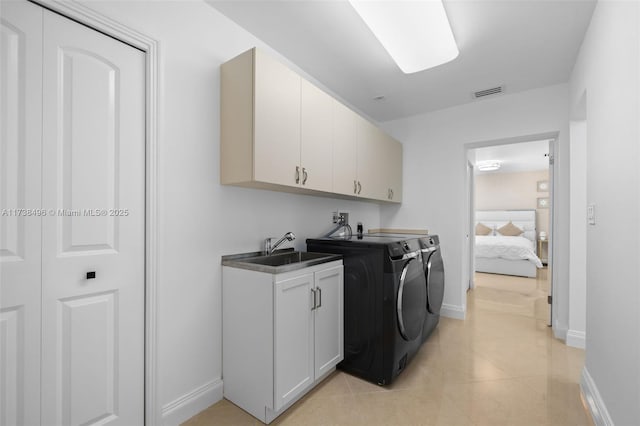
[393, 173]
[279, 131]
[345, 171]
[371, 161]
[367, 163]
[276, 121]
[316, 149]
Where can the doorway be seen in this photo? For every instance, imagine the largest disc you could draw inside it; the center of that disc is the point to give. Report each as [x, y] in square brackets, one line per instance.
[509, 219]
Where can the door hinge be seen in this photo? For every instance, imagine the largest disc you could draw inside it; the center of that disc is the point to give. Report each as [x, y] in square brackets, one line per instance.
[549, 299]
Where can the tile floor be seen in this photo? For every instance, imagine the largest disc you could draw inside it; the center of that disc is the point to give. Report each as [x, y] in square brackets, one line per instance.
[501, 366]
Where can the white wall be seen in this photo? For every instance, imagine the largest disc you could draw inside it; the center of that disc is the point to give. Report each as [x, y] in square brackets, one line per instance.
[608, 71]
[199, 220]
[434, 177]
[513, 191]
[576, 336]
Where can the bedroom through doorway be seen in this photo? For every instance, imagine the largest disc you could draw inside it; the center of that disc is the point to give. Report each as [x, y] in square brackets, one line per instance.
[510, 220]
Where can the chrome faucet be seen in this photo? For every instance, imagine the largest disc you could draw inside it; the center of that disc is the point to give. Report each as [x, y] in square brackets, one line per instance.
[270, 248]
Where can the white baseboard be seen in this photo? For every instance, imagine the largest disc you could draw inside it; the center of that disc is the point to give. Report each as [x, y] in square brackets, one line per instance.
[453, 311]
[192, 403]
[595, 402]
[576, 339]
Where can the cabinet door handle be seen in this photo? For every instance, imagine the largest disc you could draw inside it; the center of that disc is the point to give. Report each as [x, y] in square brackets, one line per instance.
[313, 290]
[297, 174]
[391, 193]
[319, 297]
[355, 187]
[388, 194]
[359, 187]
[305, 175]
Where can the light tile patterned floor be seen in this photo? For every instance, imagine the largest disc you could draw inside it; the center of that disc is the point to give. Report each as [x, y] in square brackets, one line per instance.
[501, 366]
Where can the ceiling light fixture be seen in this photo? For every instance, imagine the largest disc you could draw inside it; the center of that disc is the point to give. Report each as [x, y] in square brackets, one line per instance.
[488, 166]
[416, 34]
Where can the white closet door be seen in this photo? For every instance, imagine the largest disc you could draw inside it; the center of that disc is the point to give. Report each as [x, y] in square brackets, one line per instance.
[20, 176]
[93, 151]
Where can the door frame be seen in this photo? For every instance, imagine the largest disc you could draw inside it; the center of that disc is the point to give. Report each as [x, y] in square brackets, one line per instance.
[90, 18]
[470, 207]
[469, 247]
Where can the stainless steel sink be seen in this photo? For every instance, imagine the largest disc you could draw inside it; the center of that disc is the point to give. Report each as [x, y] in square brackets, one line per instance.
[279, 262]
[286, 258]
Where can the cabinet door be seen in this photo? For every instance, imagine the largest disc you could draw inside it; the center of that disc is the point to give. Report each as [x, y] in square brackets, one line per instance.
[316, 149]
[345, 172]
[20, 188]
[371, 161]
[293, 335]
[393, 170]
[276, 122]
[329, 320]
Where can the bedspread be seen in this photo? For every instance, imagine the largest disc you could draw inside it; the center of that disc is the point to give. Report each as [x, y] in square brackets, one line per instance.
[511, 248]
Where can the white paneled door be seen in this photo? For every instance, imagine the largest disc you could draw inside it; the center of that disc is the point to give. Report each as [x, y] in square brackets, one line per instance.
[87, 292]
[293, 338]
[329, 320]
[20, 234]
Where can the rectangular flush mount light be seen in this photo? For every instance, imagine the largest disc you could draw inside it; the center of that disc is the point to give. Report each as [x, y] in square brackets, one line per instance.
[488, 166]
[416, 33]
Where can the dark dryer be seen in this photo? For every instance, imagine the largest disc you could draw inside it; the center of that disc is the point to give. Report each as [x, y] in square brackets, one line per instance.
[393, 290]
[434, 271]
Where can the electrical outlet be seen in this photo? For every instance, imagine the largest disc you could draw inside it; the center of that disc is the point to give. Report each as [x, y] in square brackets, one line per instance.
[344, 217]
[341, 217]
[591, 214]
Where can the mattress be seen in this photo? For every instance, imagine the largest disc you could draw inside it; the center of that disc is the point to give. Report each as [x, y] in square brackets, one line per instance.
[509, 248]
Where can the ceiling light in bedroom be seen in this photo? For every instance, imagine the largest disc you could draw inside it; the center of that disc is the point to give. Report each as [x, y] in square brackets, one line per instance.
[416, 33]
[488, 166]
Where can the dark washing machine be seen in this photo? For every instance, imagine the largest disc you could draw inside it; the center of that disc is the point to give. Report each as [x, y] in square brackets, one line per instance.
[385, 301]
[434, 272]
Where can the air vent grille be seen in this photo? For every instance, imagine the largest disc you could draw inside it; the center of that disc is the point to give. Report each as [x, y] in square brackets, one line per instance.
[488, 92]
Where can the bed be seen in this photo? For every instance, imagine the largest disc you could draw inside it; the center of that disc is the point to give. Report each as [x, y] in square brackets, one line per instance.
[512, 254]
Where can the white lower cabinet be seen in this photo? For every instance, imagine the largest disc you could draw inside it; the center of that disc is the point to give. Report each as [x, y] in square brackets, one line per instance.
[282, 335]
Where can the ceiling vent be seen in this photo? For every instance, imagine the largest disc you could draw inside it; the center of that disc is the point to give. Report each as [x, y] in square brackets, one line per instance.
[488, 92]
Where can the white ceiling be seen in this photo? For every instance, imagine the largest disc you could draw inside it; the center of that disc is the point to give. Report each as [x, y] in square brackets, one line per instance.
[516, 157]
[521, 44]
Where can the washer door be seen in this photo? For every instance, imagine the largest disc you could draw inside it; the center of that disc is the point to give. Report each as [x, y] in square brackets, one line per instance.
[434, 271]
[411, 298]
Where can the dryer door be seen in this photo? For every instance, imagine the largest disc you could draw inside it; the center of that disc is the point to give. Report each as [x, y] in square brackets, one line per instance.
[434, 271]
[411, 299]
